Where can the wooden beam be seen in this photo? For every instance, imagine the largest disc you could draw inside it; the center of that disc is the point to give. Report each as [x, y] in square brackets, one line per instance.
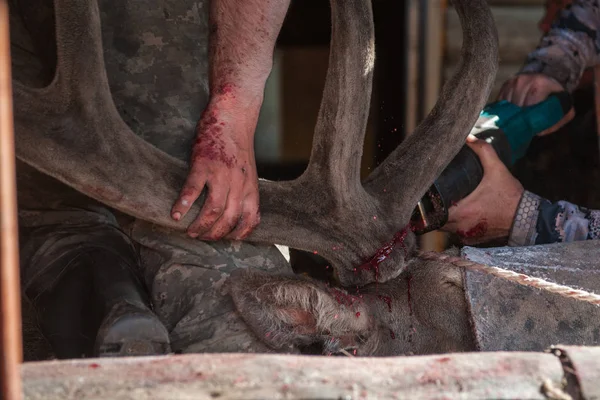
[11, 347]
[261, 376]
[518, 33]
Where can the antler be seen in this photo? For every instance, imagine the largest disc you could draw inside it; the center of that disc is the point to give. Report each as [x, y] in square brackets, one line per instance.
[422, 157]
[72, 131]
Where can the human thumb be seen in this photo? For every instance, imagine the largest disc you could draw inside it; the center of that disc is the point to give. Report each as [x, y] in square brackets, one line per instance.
[487, 155]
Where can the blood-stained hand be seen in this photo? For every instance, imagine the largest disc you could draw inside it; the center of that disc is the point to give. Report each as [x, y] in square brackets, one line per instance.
[223, 163]
[488, 212]
[241, 47]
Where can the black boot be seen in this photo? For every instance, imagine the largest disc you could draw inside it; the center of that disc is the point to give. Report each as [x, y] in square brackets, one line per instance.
[129, 327]
[98, 308]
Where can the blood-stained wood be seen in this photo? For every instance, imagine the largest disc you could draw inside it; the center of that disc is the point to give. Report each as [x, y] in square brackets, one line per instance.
[248, 376]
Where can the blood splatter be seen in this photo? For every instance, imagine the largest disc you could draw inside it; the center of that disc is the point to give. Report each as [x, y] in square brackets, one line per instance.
[343, 298]
[477, 231]
[358, 314]
[94, 365]
[383, 253]
[209, 143]
[225, 89]
[392, 334]
[387, 300]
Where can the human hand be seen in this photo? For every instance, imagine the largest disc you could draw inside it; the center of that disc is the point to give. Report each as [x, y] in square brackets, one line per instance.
[487, 213]
[223, 161]
[528, 89]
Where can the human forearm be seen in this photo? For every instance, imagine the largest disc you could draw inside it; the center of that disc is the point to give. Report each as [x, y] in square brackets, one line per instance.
[570, 45]
[242, 41]
[539, 221]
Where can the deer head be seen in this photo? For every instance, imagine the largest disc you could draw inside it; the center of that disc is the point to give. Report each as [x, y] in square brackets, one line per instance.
[422, 311]
[71, 130]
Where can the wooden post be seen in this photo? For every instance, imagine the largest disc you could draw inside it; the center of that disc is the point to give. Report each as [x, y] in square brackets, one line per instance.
[597, 100]
[430, 69]
[10, 306]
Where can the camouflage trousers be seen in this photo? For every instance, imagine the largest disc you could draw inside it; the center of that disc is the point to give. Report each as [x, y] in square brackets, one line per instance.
[185, 278]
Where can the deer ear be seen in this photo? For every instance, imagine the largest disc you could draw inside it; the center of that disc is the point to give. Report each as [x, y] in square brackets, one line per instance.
[293, 311]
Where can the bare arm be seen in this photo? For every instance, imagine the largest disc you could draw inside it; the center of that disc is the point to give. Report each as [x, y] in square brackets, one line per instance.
[242, 40]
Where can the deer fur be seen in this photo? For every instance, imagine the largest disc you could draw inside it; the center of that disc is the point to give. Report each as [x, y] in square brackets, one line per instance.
[423, 311]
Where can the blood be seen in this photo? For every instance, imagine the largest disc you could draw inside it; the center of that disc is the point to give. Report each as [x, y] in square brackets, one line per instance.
[209, 143]
[384, 252]
[343, 298]
[410, 309]
[357, 314]
[225, 89]
[477, 231]
[387, 300]
[392, 334]
[94, 365]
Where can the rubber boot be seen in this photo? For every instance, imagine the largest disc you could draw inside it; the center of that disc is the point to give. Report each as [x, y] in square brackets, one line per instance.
[98, 308]
[129, 327]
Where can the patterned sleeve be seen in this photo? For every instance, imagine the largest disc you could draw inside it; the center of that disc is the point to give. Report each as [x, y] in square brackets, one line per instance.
[570, 46]
[539, 221]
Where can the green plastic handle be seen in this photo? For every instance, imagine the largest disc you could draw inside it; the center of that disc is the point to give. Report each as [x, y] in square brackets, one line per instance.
[522, 124]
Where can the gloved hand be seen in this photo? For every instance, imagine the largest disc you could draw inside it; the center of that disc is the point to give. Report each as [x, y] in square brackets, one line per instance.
[529, 89]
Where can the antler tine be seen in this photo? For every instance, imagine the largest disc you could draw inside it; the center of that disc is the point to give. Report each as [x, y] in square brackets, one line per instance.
[341, 124]
[77, 38]
[410, 170]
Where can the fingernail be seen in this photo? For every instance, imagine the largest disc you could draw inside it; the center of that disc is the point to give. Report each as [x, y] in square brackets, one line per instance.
[193, 235]
[177, 216]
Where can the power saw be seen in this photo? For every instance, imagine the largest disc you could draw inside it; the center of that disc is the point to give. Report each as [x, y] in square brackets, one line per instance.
[510, 130]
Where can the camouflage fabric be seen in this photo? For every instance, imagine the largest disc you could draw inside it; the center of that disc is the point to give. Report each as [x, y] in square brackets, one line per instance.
[571, 45]
[187, 280]
[157, 65]
[539, 221]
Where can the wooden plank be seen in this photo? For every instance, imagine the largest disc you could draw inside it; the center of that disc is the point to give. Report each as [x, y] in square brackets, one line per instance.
[518, 33]
[10, 307]
[505, 72]
[517, 3]
[584, 361]
[252, 376]
[433, 71]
